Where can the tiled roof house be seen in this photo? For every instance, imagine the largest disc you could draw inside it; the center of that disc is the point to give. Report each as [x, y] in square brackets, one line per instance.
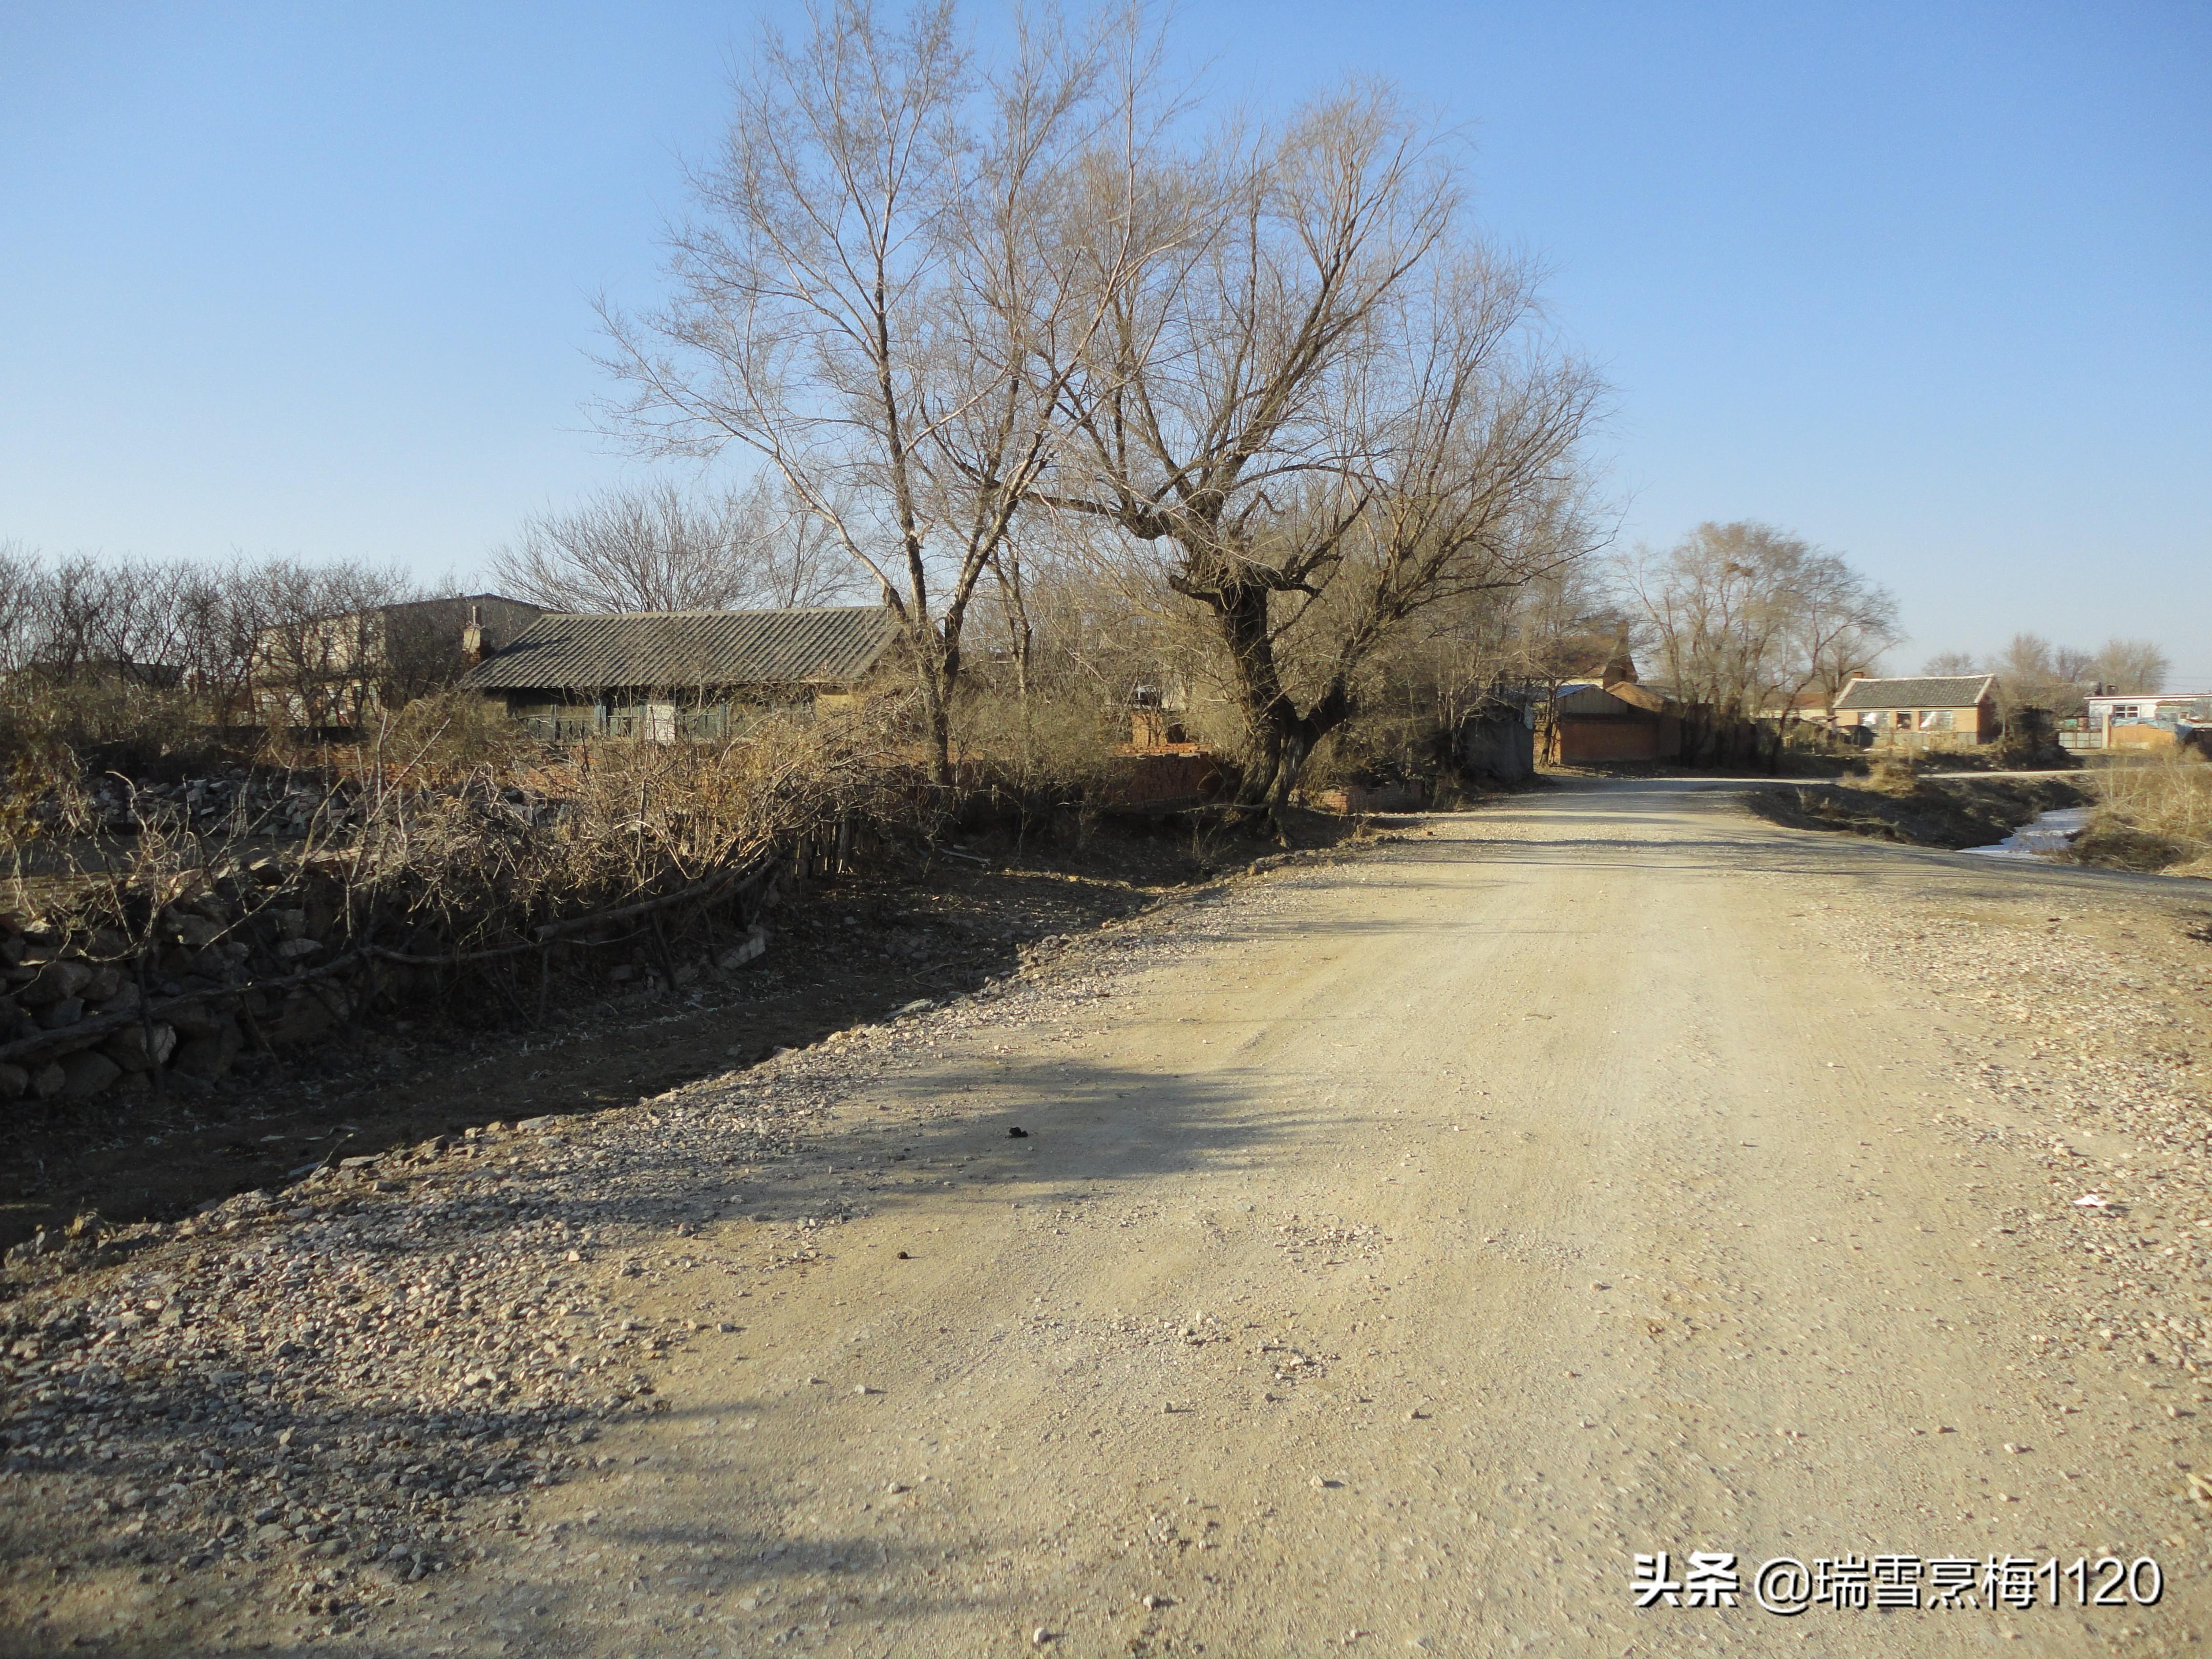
[1935, 710]
[663, 674]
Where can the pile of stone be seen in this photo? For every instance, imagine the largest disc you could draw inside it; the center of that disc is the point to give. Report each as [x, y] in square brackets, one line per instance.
[87, 1010]
[277, 805]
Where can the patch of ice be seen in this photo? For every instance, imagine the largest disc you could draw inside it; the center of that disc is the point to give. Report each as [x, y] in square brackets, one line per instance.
[2047, 834]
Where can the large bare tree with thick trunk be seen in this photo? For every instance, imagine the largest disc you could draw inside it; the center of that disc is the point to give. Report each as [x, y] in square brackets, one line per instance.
[1327, 406]
[877, 261]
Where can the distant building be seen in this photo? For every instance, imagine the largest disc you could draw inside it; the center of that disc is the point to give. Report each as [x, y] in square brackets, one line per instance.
[1937, 711]
[1614, 719]
[340, 671]
[662, 675]
[2143, 720]
[1602, 658]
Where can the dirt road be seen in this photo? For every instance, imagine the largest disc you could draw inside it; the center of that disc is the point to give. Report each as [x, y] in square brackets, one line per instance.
[1395, 1250]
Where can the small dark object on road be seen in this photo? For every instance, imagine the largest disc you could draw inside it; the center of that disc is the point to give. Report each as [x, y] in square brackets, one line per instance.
[1017, 1134]
[903, 1256]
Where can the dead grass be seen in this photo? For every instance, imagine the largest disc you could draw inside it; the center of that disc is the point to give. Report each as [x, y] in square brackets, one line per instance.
[450, 833]
[1892, 776]
[2157, 816]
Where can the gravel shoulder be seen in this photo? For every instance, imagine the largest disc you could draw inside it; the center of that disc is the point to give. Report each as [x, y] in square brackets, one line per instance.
[1393, 1248]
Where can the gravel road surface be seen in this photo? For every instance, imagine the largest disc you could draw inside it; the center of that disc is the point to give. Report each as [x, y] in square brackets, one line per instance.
[1376, 1255]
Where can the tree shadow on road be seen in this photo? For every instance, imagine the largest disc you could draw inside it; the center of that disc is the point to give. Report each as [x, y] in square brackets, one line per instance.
[135, 1450]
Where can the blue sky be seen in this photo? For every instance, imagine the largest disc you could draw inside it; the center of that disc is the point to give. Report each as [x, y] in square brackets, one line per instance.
[1930, 285]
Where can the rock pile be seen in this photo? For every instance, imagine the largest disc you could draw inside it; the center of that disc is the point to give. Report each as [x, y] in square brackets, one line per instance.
[84, 1012]
[264, 804]
[87, 1010]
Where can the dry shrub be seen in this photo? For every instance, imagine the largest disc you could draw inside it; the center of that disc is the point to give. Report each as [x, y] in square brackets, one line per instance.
[484, 860]
[1053, 747]
[49, 726]
[2157, 816]
[1892, 775]
[444, 736]
[418, 853]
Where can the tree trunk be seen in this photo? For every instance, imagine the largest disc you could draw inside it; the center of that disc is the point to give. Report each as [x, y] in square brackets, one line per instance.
[1282, 738]
[939, 719]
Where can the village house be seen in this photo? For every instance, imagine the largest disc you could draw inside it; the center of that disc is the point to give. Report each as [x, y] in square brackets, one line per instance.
[2145, 720]
[669, 674]
[1613, 717]
[1938, 711]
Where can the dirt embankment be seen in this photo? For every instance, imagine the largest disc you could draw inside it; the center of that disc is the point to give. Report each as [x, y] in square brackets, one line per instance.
[2153, 816]
[1952, 813]
[841, 952]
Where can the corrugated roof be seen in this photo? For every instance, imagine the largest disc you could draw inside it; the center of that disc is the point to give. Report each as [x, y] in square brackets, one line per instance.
[829, 645]
[1931, 691]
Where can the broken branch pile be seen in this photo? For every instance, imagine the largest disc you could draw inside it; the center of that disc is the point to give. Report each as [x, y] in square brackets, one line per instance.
[151, 955]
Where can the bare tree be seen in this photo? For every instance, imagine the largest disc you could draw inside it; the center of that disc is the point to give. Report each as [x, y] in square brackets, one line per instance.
[2132, 665]
[222, 611]
[1952, 662]
[319, 652]
[654, 547]
[18, 580]
[1324, 404]
[1747, 619]
[871, 267]
[1840, 624]
[1718, 606]
[2033, 672]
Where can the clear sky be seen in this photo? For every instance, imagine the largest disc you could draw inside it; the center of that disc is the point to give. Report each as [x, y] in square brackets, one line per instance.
[1929, 285]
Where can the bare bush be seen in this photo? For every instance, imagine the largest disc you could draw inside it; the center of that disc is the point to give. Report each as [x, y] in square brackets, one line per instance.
[443, 858]
[654, 547]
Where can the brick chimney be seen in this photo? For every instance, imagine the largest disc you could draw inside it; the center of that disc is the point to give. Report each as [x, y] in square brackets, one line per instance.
[1619, 667]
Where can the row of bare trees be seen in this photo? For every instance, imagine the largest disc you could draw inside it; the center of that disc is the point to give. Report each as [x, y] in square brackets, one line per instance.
[2031, 670]
[225, 642]
[656, 547]
[975, 319]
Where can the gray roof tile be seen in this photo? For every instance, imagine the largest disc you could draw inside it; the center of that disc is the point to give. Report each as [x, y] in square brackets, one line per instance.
[670, 649]
[1929, 691]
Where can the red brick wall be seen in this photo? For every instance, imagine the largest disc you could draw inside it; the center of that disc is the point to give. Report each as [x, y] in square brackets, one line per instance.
[1583, 739]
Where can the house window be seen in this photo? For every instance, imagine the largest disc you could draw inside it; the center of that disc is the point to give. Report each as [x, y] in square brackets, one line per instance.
[1936, 720]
